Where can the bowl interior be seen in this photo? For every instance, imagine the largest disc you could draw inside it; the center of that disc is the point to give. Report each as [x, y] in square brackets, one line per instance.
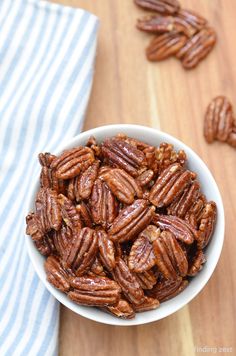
[209, 188]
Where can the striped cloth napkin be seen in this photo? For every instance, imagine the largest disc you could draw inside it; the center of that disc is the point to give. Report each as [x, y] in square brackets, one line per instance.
[47, 54]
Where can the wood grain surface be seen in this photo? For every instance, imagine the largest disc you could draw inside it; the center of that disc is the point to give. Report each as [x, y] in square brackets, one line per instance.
[128, 89]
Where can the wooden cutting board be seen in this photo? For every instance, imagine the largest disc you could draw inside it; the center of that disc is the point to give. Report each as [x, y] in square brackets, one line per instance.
[128, 89]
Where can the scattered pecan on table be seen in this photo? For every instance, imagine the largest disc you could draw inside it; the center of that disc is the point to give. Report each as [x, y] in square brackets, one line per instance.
[123, 224]
[177, 32]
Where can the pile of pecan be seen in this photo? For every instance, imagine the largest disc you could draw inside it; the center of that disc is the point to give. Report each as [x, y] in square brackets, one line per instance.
[123, 224]
[178, 32]
[220, 123]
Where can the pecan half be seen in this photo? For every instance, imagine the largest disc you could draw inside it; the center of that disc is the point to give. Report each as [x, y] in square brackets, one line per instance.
[123, 155]
[131, 221]
[80, 187]
[166, 289]
[48, 178]
[141, 257]
[82, 251]
[106, 250]
[219, 120]
[180, 206]
[46, 245]
[197, 263]
[162, 6]
[207, 224]
[61, 240]
[169, 185]
[193, 215]
[145, 178]
[122, 185]
[165, 45]
[103, 204]
[94, 290]
[85, 214]
[148, 304]
[33, 227]
[56, 274]
[69, 213]
[170, 258]
[122, 310]
[128, 282]
[48, 210]
[194, 20]
[146, 279]
[197, 47]
[181, 229]
[71, 162]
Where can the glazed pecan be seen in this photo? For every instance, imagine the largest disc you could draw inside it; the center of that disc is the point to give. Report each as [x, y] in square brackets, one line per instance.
[33, 227]
[146, 279]
[148, 304]
[69, 213]
[61, 240]
[122, 310]
[166, 289]
[92, 143]
[194, 20]
[80, 187]
[207, 224]
[72, 161]
[103, 204]
[140, 145]
[122, 185]
[219, 120]
[82, 251]
[193, 215]
[128, 282]
[166, 155]
[97, 268]
[145, 178]
[131, 221]
[85, 214]
[197, 47]
[162, 6]
[48, 209]
[170, 258]
[181, 229]
[56, 274]
[170, 184]
[48, 178]
[106, 250]
[141, 257]
[197, 263]
[46, 245]
[122, 154]
[165, 45]
[94, 290]
[180, 206]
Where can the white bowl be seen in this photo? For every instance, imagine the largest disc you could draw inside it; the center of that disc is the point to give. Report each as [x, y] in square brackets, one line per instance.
[209, 188]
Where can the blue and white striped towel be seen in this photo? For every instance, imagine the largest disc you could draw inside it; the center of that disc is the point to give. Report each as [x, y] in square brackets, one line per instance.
[47, 56]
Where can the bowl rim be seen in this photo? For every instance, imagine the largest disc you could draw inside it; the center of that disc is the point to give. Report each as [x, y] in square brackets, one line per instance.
[83, 311]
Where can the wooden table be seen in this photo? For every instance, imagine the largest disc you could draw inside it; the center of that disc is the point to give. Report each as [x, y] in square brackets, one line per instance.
[128, 89]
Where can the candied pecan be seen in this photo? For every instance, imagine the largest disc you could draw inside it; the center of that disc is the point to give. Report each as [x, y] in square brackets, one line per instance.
[122, 310]
[146, 279]
[82, 251]
[166, 155]
[133, 141]
[80, 187]
[219, 120]
[128, 282]
[56, 274]
[69, 213]
[33, 227]
[48, 210]
[106, 250]
[207, 224]
[169, 185]
[197, 47]
[180, 206]
[48, 178]
[131, 221]
[194, 20]
[103, 204]
[156, 23]
[232, 136]
[181, 229]
[122, 185]
[94, 290]
[170, 258]
[148, 304]
[166, 289]
[85, 214]
[141, 257]
[165, 45]
[145, 178]
[72, 161]
[61, 240]
[92, 143]
[197, 263]
[97, 268]
[193, 215]
[123, 155]
[162, 6]
[46, 245]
